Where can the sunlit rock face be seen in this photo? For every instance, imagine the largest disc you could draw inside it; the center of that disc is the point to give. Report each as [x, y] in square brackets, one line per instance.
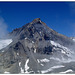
[36, 48]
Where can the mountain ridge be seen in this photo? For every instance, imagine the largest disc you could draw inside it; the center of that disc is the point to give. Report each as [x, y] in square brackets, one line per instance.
[32, 24]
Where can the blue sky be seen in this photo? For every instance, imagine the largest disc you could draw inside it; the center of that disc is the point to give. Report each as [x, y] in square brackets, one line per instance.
[59, 16]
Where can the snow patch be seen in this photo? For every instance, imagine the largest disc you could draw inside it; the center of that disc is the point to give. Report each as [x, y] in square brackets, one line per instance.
[67, 71]
[42, 64]
[55, 58]
[17, 53]
[63, 49]
[44, 60]
[6, 72]
[32, 41]
[52, 68]
[26, 66]
[34, 50]
[22, 70]
[19, 63]
[4, 43]
[38, 60]
[25, 38]
[58, 66]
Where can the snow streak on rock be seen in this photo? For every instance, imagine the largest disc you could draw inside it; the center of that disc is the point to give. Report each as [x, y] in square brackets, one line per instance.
[26, 66]
[44, 60]
[52, 68]
[22, 70]
[69, 70]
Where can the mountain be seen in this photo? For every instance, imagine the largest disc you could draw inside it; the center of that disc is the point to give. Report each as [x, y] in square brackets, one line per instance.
[36, 48]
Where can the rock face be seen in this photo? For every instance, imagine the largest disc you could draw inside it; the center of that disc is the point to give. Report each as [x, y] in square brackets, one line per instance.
[31, 43]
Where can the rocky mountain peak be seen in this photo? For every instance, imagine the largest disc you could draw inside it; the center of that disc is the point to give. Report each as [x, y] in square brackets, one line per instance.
[32, 45]
[36, 20]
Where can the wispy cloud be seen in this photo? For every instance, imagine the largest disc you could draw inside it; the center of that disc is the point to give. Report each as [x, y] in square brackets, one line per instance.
[3, 28]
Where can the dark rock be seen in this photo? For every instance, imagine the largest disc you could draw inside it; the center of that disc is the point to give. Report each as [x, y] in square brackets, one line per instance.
[46, 37]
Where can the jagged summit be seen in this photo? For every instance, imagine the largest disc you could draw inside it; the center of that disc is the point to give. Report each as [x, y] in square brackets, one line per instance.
[36, 20]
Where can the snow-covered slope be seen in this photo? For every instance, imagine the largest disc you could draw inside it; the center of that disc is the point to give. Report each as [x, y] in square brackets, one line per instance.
[4, 43]
[62, 48]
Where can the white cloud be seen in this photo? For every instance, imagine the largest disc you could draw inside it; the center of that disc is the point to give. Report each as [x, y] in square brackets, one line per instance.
[3, 28]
